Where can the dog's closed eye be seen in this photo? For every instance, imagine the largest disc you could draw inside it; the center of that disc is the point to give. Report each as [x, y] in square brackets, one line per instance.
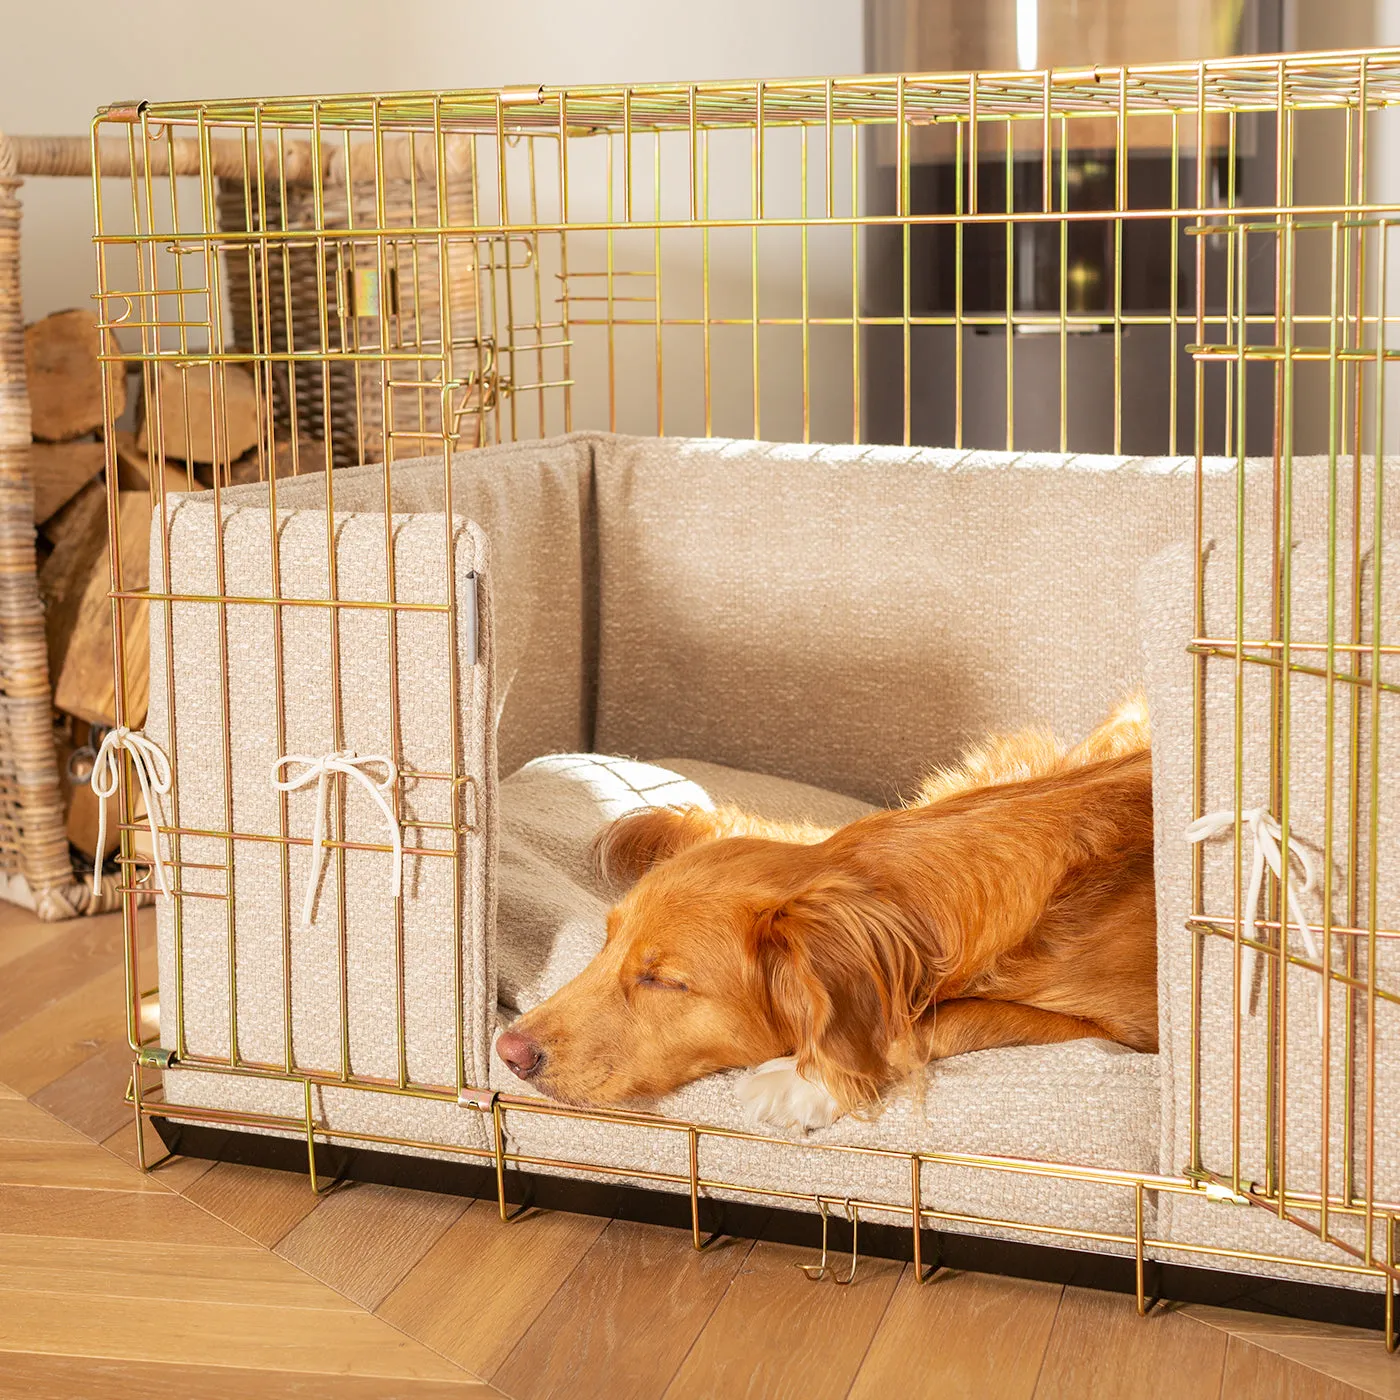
[669, 984]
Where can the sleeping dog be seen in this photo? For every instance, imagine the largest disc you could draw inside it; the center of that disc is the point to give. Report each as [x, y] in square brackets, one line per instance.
[1011, 903]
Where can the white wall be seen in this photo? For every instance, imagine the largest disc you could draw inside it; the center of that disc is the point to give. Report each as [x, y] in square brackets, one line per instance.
[60, 59]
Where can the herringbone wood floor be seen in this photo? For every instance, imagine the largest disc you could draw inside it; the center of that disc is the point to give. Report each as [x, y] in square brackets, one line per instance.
[226, 1281]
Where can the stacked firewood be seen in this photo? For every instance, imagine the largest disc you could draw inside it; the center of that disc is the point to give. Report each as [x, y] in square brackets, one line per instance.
[68, 467]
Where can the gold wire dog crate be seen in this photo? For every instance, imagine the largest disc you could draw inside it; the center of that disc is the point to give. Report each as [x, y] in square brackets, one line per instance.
[715, 258]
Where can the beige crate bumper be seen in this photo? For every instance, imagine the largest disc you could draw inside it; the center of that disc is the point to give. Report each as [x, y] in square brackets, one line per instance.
[779, 620]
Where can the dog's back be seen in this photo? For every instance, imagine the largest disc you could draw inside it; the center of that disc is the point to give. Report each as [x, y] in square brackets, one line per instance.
[1092, 952]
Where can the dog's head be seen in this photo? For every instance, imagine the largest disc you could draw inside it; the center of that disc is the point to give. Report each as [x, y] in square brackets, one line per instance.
[723, 954]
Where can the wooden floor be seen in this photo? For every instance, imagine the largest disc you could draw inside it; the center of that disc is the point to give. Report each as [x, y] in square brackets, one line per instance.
[226, 1281]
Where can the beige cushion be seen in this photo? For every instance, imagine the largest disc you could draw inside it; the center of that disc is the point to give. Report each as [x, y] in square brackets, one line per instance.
[1088, 1102]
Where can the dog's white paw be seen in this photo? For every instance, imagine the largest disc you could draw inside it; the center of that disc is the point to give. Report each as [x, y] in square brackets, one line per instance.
[775, 1093]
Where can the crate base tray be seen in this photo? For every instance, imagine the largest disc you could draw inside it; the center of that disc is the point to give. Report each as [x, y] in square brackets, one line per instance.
[1109, 1273]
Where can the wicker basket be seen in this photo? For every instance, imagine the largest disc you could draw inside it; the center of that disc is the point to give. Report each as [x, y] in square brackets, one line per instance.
[404, 314]
[35, 867]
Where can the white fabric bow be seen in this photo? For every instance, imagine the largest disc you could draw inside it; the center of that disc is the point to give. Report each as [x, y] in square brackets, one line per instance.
[152, 772]
[319, 771]
[1267, 832]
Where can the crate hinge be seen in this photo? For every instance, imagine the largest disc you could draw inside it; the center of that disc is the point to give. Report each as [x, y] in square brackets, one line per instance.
[128, 111]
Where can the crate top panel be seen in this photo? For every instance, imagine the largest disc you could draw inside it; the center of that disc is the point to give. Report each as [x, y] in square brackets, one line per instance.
[1265, 83]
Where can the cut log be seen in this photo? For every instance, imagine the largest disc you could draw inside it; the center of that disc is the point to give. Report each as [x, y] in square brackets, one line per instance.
[59, 471]
[74, 773]
[65, 376]
[186, 417]
[75, 518]
[84, 685]
[134, 468]
[78, 534]
[83, 812]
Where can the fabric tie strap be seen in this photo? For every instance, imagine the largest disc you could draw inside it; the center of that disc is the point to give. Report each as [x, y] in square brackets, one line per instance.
[1267, 832]
[152, 772]
[319, 771]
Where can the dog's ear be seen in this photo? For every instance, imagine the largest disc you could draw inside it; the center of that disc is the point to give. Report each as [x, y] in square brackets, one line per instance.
[624, 850]
[846, 978]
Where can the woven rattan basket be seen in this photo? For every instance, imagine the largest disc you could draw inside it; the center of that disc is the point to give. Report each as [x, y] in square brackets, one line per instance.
[35, 866]
[395, 304]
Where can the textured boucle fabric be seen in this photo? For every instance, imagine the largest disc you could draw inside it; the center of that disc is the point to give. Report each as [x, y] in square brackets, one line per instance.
[531, 500]
[850, 616]
[1086, 1102]
[238, 920]
[1166, 609]
[1091, 1103]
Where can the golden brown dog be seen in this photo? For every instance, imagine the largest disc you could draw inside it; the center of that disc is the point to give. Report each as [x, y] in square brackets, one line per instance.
[1011, 903]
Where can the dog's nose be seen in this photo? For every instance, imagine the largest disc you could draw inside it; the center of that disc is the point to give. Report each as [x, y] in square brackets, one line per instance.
[520, 1053]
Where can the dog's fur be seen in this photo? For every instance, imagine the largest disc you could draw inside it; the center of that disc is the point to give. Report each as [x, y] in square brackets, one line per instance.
[1010, 903]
